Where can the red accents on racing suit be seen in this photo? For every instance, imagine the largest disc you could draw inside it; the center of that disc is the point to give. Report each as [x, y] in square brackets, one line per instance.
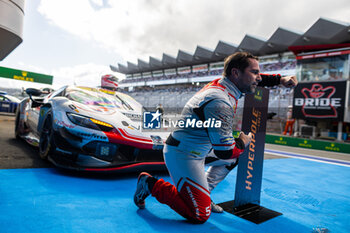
[213, 84]
[192, 201]
[236, 152]
[233, 153]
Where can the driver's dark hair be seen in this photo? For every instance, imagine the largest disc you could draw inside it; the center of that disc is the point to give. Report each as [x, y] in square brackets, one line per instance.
[239, 60]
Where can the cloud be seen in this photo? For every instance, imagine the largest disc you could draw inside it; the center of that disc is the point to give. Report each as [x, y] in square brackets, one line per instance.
[143, 28]
[81, 75]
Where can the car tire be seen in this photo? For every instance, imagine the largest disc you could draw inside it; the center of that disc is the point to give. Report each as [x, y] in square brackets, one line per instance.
[17, 126]
[46, 143]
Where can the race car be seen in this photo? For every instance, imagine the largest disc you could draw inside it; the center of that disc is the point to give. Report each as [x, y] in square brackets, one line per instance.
[8, 103]
[87, 129]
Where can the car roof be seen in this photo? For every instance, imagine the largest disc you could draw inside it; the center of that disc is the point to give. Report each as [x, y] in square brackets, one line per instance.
[10, 97]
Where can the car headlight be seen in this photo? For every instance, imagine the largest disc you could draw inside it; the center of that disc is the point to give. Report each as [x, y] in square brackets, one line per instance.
[89, 122]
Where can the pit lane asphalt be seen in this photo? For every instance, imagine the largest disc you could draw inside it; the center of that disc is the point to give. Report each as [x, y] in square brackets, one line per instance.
[18, 154]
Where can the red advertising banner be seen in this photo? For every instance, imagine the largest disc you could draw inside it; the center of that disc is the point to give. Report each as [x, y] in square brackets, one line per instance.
[325, 54]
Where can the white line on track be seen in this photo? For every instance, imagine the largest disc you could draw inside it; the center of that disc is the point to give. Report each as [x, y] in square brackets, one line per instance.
[308, 157]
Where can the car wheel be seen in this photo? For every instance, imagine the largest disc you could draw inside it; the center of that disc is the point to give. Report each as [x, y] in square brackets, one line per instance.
[46, 143]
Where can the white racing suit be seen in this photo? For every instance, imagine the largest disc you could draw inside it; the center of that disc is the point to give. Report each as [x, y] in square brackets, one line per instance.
[186, 150]
[188, 147]
[218, 100]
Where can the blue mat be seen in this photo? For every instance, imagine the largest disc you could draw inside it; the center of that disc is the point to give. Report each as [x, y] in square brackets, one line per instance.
[312, 197]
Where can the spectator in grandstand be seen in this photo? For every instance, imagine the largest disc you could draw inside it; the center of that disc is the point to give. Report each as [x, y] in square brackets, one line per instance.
[186, 148]
[333, 75]
[289, 121]
[160, 109]
[330, 75]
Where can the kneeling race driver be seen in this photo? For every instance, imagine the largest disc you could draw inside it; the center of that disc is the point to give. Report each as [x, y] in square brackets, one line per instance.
[187, 148]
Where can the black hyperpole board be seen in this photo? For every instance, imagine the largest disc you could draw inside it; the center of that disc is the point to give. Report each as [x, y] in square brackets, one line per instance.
[250, 166]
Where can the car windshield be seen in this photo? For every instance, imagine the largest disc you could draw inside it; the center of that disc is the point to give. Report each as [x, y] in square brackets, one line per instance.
[129, 100]
[95, 98]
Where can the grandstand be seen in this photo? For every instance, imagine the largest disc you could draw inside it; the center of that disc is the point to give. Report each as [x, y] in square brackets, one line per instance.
[171, 81]
[173, 91]
[153, 90]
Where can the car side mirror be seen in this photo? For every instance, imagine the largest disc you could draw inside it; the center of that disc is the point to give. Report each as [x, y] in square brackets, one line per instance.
[34, 92]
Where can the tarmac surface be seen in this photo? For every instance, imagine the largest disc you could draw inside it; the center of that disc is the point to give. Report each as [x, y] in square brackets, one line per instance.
[16, 153]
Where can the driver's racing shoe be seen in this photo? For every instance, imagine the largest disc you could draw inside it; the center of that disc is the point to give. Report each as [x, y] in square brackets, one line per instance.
[142, 190]
[216, 208]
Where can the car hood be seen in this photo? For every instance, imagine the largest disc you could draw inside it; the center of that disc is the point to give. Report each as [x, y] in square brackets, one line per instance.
[124, 121]
[114, 116]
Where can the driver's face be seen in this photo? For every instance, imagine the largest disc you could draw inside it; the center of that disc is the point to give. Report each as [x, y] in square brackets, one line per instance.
[249, 79]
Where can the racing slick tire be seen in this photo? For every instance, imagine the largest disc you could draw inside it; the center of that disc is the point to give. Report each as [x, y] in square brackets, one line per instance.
[46, 143]
[17, 126]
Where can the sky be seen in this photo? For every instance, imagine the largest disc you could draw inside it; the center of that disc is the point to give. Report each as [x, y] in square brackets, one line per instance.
[76, 41]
